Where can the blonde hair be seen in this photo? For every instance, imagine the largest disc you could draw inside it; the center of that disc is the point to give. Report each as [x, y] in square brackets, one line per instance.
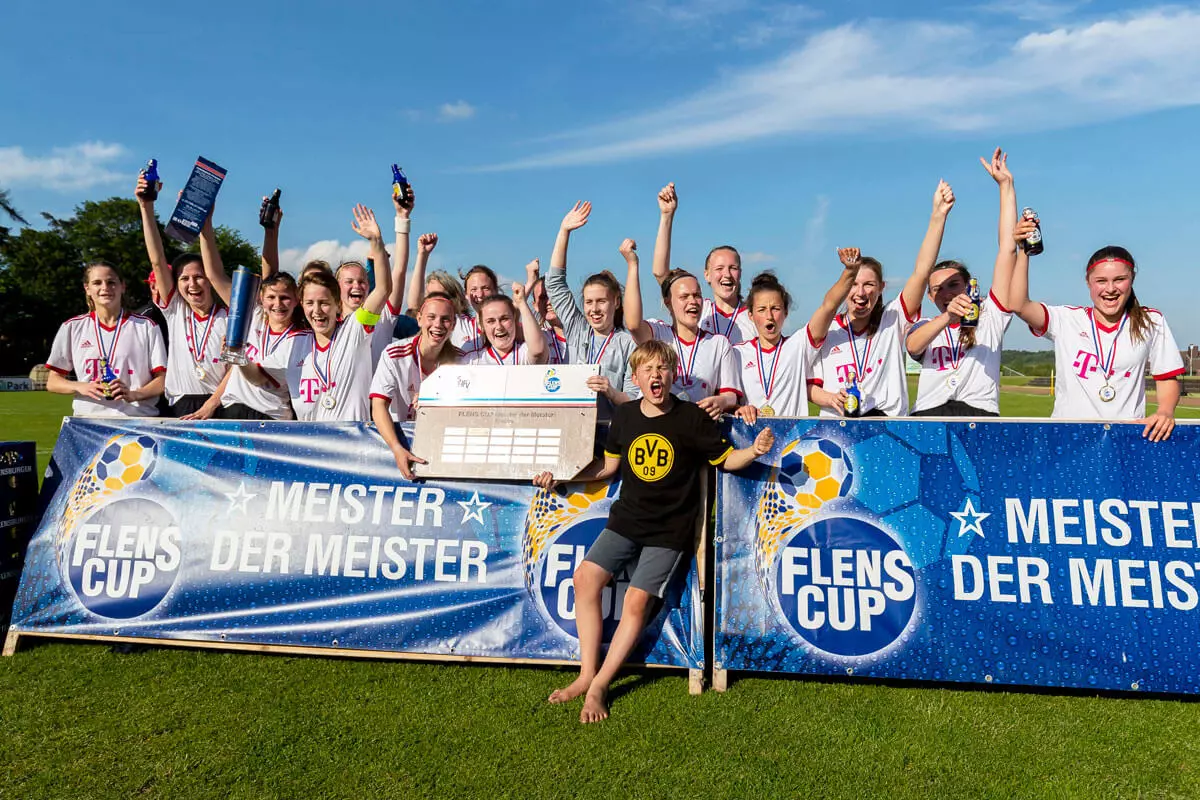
[653, 350]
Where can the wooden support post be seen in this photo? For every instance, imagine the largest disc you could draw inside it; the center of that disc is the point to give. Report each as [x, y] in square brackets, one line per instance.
[720, 680]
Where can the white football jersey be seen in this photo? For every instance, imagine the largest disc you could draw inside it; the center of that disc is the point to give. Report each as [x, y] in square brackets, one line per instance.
[707, 365]
[384, 334]
[969, 376]
[466, 336]
[330, 383]
[261, 342]
[194, 363]
[784, 368]
[879, 359]
[488, 357]
[398, 377]
[1086, 351]
[133, 349]
[737, 328]
[556, 347]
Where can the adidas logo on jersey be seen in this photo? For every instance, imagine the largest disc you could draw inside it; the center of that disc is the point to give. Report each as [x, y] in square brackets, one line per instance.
[87, 343]
[837, 348]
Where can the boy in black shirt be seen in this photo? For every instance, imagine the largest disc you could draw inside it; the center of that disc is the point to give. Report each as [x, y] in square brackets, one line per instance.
[660, 444]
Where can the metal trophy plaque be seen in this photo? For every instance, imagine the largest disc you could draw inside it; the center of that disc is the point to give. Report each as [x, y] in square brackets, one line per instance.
[506, 423]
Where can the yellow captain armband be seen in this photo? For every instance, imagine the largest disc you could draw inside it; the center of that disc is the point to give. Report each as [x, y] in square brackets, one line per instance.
[366, 317]
[719, 460]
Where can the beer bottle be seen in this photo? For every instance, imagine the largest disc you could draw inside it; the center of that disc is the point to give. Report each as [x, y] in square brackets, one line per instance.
[1033, 245]
[971, 319]
[400, 188]
[153, 184]
[266, 214]
[853, 403]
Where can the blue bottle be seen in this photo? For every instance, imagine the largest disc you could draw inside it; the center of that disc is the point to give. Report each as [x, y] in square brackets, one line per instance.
[108, 376]
[153, 184]
[853, 404]
[400, 187]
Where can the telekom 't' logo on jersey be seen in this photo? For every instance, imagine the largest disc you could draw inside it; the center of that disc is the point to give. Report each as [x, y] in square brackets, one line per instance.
[309, 389]
[941, 356]
[1085, 362]
[843, 373]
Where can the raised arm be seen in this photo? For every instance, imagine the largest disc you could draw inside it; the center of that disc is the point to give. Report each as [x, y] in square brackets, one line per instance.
[668, 202]
[914, 287]
[535, 343]
[214, 267]
[740, 459]
[575, 219]
[822, 318]
[365, 226]
[270, 247]
[1031, 312]
[632, 304]
[400, 267]
[416, 282]
[1006, 253]
[154, 244]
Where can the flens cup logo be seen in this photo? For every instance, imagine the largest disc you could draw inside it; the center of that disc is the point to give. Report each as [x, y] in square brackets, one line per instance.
[843, 583]
[552, 382]
[118, 549]
[559, 529]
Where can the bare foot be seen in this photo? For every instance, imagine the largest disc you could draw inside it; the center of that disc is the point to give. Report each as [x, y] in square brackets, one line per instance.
[569, 693]
[595, 708]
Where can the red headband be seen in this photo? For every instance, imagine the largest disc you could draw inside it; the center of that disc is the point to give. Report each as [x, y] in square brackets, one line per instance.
[1110, 259]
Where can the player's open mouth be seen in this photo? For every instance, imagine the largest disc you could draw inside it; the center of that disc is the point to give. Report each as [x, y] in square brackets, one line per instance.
[769, 327]
[656, 389]
[357, 295]
[727, 283]
[596, 318]
[858, 304]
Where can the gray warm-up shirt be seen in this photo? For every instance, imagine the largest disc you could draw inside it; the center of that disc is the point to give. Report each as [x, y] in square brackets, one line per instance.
[583, 343]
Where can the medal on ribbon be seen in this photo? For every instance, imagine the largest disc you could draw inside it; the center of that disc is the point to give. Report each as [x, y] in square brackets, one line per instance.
[685, 373]
[328, 401]
[954, 345]
[1106, 392]
[768, 380]
[196, 344]
[603, 347]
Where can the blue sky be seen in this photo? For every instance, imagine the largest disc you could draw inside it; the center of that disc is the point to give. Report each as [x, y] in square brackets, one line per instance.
[789, 129]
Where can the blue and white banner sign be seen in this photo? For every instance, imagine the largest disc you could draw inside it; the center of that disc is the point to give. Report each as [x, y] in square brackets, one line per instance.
[1047, 554]
[286, 534]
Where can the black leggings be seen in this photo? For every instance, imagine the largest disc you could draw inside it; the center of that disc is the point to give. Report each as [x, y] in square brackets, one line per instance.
[187, 404]
[241, 411]
[954, 408]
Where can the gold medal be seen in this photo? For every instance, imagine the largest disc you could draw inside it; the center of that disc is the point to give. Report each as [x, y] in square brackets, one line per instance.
[767, 411]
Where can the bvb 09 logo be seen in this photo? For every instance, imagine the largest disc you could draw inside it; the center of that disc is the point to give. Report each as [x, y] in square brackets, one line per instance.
[119, 552]
[651, 457]
[842, 583]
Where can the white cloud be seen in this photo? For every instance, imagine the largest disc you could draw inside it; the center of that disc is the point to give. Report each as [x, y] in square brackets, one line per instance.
[456, 111]
[79, 166]
[758, 257]
[916, 77]
[331, 250]
[723, 23]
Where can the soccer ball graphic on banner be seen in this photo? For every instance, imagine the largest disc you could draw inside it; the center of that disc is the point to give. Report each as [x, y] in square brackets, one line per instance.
[125, 461]
[811, 473]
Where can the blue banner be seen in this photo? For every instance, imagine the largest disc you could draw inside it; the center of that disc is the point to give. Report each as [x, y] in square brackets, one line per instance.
[278, 533]
[1047, 554]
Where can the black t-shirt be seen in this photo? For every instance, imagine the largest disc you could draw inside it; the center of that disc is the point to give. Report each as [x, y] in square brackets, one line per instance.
[661, 463]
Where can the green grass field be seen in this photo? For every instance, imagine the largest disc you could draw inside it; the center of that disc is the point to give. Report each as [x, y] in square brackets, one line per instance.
[79, 721]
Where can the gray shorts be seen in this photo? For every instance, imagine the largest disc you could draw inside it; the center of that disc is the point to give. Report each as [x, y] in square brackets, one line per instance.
[653, 569]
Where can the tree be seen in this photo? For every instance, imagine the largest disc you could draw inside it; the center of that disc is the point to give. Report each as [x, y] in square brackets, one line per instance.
[41, 272]
[7, 207]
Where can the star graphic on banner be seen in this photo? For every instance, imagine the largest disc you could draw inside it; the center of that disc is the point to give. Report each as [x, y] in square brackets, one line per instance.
[238, 499]
[473, 509]
[970, 520]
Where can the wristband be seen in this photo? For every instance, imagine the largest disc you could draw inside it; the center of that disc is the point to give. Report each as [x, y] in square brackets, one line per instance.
[403, 224]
